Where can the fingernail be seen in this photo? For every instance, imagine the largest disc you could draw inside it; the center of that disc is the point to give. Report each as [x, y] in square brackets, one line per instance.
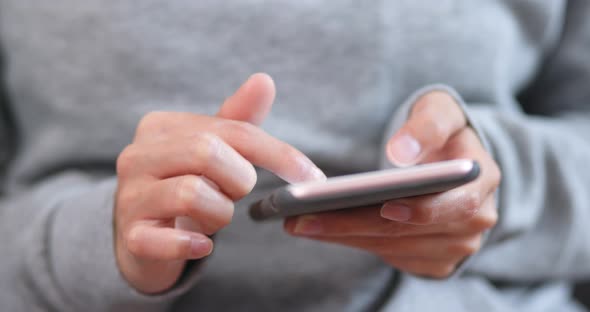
[307, 225]
[396, 212]
[307, 172]
[317, 174]
[200, 247]
[405, 149]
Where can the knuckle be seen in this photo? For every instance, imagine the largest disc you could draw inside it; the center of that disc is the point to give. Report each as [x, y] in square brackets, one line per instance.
[465, 248]
[221, 218]
[182, 251]
[471, 203]
[189, 193]
[150, 121]
[206, 148]
[496, 175]
[126, 160]
[185, 191]
[431, 98]
[437, 130]
[484, 221]
[133, 242]
[126, 198]
[247, 181]
[251, 182]
[211, 148]
[151, 118]
[240, 128]
[440, 96]
[426, 214]
[434, 99]
[442, 270]
[227, 217]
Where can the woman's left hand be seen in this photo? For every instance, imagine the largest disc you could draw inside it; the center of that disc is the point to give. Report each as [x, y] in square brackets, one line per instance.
[425, 235]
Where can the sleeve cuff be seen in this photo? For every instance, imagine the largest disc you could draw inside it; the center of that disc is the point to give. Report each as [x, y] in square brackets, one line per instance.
[82, 255]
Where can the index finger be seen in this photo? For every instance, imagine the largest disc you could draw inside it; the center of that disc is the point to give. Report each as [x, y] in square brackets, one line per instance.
[268, 152]
[250, 141]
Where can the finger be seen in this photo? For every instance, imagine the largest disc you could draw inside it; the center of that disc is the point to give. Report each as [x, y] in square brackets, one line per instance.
[188, 196]
[458, 204]
[454, 205]
[429, 268]
[270, 153]
[250, 141]
[368, 222]
[466, 144]
[252, 101]
[433, 246]
[146, 241]
[434, 119]
[202, 154]
[485, 219]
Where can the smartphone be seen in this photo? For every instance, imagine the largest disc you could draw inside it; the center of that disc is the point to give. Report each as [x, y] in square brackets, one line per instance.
[364, 189]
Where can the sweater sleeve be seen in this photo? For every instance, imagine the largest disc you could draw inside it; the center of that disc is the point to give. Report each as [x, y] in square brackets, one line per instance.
[544, 231]
[56, 242]
[544, 198]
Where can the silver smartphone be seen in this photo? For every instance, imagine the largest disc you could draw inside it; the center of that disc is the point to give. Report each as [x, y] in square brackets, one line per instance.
[364, 189]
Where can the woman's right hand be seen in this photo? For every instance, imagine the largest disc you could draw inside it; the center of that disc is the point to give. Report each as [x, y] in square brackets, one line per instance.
[183, 166]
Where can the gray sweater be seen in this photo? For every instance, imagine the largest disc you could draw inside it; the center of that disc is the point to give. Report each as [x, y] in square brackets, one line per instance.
[78, 75]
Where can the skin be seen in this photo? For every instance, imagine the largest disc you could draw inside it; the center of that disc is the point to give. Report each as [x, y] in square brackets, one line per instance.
[180, 177]
[426, 235]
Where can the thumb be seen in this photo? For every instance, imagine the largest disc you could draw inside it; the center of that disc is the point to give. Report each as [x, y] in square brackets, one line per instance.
[252, 101]
[434, 119]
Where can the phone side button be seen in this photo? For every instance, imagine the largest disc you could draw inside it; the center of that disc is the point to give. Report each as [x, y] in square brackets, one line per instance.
[263, 209]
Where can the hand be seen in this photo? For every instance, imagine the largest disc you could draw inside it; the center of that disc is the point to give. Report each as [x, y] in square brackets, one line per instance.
[178, 180]
[426, 235]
